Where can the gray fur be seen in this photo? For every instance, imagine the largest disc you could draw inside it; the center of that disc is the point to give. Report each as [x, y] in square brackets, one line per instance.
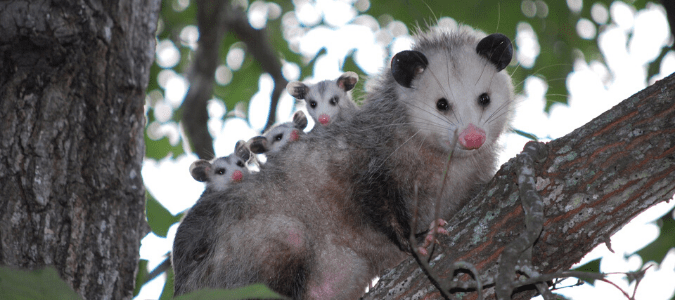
[278, 136]
[331, 211]
[220, 172]
[327, 101]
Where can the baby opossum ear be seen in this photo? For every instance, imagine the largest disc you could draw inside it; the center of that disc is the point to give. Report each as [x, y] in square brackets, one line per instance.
[497, 49]
[297, 89]
[242, 151]
[200, 170]
[347, 81]
[258, 144]
[405, 65]
[299, 120]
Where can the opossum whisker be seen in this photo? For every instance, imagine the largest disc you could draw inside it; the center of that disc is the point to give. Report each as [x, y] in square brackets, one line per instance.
[399, 147]
[500, 108]
[414, 104]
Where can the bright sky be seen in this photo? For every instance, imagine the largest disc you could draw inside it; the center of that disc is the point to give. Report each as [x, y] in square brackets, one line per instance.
[629, 41]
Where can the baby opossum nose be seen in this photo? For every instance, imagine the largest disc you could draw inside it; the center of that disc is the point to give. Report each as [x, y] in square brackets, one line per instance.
[295, 135]
[324, 119]
[472, 137]
[237, 176]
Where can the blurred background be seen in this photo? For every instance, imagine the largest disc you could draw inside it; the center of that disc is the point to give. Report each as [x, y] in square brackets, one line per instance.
[221, 68]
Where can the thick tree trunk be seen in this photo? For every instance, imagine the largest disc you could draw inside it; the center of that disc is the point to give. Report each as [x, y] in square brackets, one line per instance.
[72, 87]
[594, 181]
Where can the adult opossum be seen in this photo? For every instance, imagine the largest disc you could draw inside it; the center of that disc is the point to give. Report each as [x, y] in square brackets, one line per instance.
[334, 209]
[327, 101]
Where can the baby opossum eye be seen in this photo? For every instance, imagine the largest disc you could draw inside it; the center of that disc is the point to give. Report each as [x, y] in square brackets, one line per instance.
[220, 171]
[442, 105]
[312, 103]
[278, 137]
[484, 99]
[334, 100]
[240, 164]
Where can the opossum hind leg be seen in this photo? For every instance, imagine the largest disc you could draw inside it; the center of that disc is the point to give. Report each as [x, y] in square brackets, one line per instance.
[339, 273]
[279, 252]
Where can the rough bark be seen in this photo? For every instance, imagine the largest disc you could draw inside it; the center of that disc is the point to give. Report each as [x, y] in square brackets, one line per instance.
[72, 87]
[593, 181]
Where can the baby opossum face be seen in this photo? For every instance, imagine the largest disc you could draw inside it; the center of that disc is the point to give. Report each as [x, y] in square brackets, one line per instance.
[279, 135]
[326, 99]
[458, 87]
[222, 171]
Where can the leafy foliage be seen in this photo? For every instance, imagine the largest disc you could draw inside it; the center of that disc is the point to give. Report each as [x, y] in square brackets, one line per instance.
[42, 284]
[658, 249]
[159, 218]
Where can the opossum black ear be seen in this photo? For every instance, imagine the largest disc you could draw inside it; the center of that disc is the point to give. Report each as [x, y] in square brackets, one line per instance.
[405, 65]
[258, 144]
[242, 151]
[347, 81]
[497, 49]
[299, 120]
[200, 170]
[297, 89]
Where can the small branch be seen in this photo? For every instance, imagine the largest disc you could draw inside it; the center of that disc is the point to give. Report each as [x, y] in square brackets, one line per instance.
[259, 46]
[211, 22]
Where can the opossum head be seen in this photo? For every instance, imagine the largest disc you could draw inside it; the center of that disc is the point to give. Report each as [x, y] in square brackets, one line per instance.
[222, 171]
[279, 135]
[455, 81]
[327, 100]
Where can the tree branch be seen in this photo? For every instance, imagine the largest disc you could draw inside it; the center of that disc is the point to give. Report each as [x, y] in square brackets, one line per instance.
[258, 45]
[594, 180]
[211, 22]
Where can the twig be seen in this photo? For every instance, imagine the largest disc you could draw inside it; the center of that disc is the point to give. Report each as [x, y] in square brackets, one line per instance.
[258, 45]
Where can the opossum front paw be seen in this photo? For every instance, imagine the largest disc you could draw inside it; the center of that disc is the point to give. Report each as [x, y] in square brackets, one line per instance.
[429, 239]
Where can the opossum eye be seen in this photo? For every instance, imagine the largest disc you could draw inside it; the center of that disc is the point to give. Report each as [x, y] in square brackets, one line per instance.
[278, 137]
[312, 103]
[220, 171]
[484, 99]
[240, 164]
[334, 100]
[442, 104]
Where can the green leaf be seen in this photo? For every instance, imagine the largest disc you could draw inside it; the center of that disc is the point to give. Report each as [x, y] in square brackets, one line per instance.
[141, 275]
[159, 218]
[258, 291]
[42, 284]
[657, 250]
[161, 148]
[167, 291]
[591, 267]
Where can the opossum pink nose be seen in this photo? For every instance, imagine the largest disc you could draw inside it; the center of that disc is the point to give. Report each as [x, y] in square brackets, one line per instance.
[237, 176]
[472, 137]
[295, 135]
[324, 119]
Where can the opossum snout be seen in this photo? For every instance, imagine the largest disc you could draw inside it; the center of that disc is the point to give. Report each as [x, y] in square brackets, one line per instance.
[237, 176]
[295, 135]
[472, 137]
[324, 119]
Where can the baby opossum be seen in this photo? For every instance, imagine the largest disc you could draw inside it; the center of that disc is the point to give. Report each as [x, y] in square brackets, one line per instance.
[274, 139]
[329, 100]
[334, 209]
[218, 173]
